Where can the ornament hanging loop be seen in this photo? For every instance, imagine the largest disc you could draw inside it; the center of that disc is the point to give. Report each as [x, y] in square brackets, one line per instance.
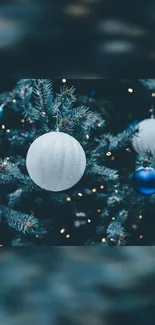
[57, 117]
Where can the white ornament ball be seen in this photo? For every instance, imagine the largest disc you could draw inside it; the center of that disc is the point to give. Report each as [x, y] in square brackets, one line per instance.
[144, 140]
[55, 161]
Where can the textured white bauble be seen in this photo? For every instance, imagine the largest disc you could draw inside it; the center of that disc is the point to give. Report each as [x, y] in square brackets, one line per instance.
[144, 140]
[55, 161]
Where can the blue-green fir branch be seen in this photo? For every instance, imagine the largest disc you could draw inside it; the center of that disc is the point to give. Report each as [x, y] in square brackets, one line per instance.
[21, 138]
[43, 94]
[29, 112]
[146, 159]
[22, 222]
[21, 95]
[80, 121]
[11, 174]
[14, 198]
[108, 142]
[20, 241]
[148, 83]
[104, 213]
[114, 200]
[43, 101]
[122, 215]
[114, 230]
[106, 173]
[66, 97]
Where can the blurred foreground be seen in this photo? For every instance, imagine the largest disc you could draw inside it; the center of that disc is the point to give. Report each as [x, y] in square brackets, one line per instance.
[68, 285]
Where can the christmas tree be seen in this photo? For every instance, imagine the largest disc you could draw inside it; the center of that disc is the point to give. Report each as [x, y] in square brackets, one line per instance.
[93, 212]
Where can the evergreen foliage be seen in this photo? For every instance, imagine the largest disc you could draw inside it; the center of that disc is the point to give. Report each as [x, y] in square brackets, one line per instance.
[104, 195]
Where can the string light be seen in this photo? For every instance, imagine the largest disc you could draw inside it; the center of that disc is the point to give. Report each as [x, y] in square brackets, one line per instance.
[140, 217]
[99, 124]
[103, 240]
[102, 186]
[80, 194]
[8, 130]
[130, 90]
[14, 100]
[22, 120]
[98, 210]
[5, 163]
[116, 191]
[141, 236]
[112, 158]
[68, 198]
[87, 136]
[89, 220]
[113, 218]
[68, 236]
[7, 158]
[3, 126]
[108, 153]
[94, 190]
[111, 239]
[62, 230]
[153, 94]
[64, 80]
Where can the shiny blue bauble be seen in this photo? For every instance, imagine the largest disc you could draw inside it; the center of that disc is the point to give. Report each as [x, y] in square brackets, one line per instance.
[143, 181]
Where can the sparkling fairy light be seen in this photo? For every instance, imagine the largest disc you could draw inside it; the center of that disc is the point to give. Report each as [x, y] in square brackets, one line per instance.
[130, 90]
[108, 153]
[89, 220]
[68, 236]
[103, 240]
[80, 194]
[68, 198]
[62, 230]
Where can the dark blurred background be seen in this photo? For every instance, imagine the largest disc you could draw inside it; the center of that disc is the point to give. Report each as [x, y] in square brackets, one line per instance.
[77, 38]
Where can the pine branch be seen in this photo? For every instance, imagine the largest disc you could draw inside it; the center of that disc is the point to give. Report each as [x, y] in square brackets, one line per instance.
[18, 240]
[22, 222]
[43, 94]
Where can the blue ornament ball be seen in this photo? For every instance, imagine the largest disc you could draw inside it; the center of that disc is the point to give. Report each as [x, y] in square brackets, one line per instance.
[144, 181]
